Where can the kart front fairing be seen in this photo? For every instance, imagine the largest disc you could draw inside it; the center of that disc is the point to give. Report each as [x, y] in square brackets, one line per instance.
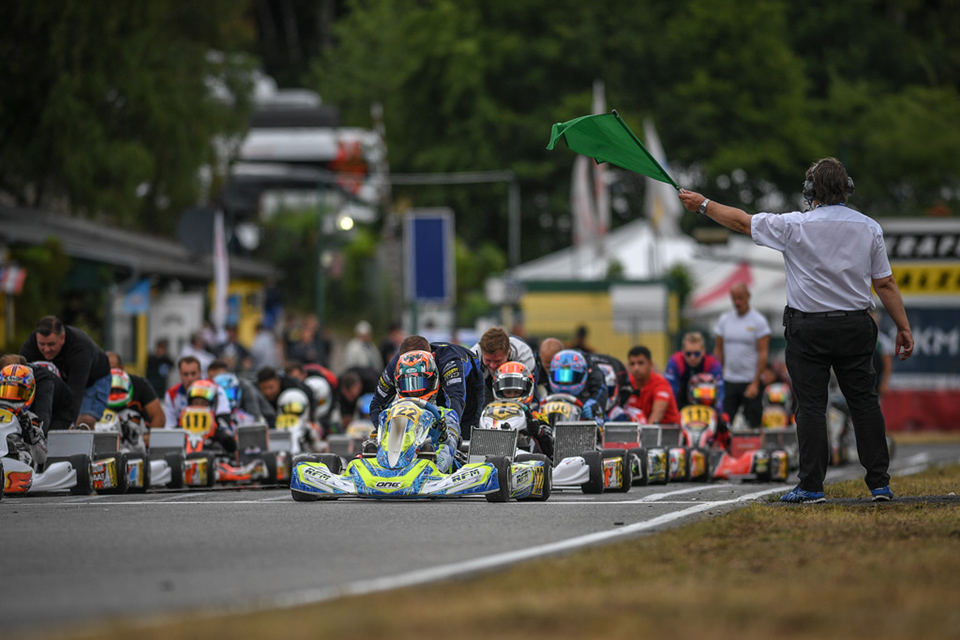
[365, 477]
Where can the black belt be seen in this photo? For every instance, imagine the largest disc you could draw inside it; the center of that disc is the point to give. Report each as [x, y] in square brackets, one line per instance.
[793, 313]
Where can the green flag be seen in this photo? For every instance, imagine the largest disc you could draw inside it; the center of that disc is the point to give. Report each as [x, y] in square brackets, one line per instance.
[607, 138]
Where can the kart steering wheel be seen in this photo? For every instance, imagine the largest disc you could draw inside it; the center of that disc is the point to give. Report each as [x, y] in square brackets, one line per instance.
[426, 406]
[562, 397]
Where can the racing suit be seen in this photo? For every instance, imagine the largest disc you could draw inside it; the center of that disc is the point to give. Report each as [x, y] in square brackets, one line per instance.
[461, 391]
[30, 445]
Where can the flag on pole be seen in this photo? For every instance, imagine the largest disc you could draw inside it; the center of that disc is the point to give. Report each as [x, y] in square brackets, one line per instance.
[662, 206]
[221, 273]
[607, 138]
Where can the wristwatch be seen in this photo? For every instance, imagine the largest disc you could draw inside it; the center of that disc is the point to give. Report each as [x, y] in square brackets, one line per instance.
[703, 206]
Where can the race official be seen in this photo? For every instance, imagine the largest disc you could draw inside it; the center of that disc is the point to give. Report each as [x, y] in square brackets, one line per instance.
[742, 347]
[832, 255]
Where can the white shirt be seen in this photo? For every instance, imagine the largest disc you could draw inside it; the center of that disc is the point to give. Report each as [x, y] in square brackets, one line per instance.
[831, 254]
[740, 335]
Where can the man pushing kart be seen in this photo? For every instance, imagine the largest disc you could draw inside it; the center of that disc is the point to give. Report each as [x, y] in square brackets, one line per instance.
[447, 375]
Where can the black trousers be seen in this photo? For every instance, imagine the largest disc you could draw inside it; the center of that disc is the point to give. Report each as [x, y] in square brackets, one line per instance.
[846, 344]
[733, 399]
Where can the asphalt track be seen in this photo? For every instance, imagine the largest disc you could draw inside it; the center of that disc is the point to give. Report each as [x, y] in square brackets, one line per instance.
[70, 560]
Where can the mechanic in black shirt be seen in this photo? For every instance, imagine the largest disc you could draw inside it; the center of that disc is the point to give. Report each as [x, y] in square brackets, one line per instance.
[272, 384]
[354, 383]
[462, 386]
[83, 365]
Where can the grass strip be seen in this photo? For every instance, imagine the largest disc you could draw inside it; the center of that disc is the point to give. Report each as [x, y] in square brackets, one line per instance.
[845, 569]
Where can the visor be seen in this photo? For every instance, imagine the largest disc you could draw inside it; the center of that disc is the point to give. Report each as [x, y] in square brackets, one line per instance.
[412, 383]
[13, 392]
[232, 393]
[294, 407]
[512, 386]
[563, 376]
[117, 397]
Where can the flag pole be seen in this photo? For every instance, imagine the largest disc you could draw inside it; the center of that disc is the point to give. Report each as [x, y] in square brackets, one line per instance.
[644, 149]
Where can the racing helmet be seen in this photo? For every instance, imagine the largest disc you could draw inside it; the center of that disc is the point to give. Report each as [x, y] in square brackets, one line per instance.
[568, 372]
[417, 375]
[322, 394]
[293, 402]
[203, 389]
[514, 381]
[230, 384]
[778, 394]
[363, 406]
[17, 387]
[49, 366]
[702, 389]
[610, 380]
[121, 389]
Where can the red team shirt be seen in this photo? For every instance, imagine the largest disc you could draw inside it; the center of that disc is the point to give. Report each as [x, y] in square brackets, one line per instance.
[656, 389]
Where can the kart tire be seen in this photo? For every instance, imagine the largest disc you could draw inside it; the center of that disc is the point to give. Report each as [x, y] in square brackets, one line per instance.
[503, 478]
[331, 461]
[175, 462]
[145, 465]
[270, 460]
[548, 475]
[306, 457]
[123, 472]
[84, 468]
[765, 475]
[594, 462]
[303, 496]
[626, 466]
[212, 465]
[639, 466]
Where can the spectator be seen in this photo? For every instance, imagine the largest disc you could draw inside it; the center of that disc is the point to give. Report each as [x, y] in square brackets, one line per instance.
[579, 342]
[197, 348]
[391, 344]
[83, 365]
[263, 351]
[688, 362]
[360, 351]
[742, 347]
[159, 366]
[234, 354]
[651, 393]
[304, 347]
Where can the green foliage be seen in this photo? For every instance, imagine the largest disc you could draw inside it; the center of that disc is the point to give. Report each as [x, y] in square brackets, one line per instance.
[47, 266]
[101, 99]
[473, 269]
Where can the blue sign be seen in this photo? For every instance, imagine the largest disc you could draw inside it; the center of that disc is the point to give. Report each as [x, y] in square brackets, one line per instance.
[429, 243]
[137, 300]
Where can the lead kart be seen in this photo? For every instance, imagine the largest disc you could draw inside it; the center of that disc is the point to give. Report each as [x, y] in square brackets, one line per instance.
[580, 462]
[404, 466]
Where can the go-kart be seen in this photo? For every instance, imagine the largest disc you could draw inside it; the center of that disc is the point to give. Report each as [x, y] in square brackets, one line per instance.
[746, 458]
[70, 466]
[579, 460]
[657, 455]
[253, 462]
[404, 466]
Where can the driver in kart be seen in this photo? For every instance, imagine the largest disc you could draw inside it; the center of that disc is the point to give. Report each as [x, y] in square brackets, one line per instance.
[460, 380]
[703, 390]
[17, 391]
[417, 377]
[204, 393]
[570, 373]
[516, 383]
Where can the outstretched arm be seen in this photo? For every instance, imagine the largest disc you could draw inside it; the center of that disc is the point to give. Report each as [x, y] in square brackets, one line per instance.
[730, 217]
[889, 294]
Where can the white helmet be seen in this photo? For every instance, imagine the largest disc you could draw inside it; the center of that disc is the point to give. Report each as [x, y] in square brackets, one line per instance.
[322, 395]
[293, 401]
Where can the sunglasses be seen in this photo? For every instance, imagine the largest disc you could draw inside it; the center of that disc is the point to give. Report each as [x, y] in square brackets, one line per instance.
[692, 354]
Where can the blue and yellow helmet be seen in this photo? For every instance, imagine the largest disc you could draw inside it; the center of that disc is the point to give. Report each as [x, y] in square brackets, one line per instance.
[568, 372]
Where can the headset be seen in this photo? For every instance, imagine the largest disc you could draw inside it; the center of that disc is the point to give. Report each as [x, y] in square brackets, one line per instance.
[809, 188]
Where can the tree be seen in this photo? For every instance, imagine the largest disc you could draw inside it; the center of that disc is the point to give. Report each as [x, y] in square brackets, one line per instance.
[110, 109]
